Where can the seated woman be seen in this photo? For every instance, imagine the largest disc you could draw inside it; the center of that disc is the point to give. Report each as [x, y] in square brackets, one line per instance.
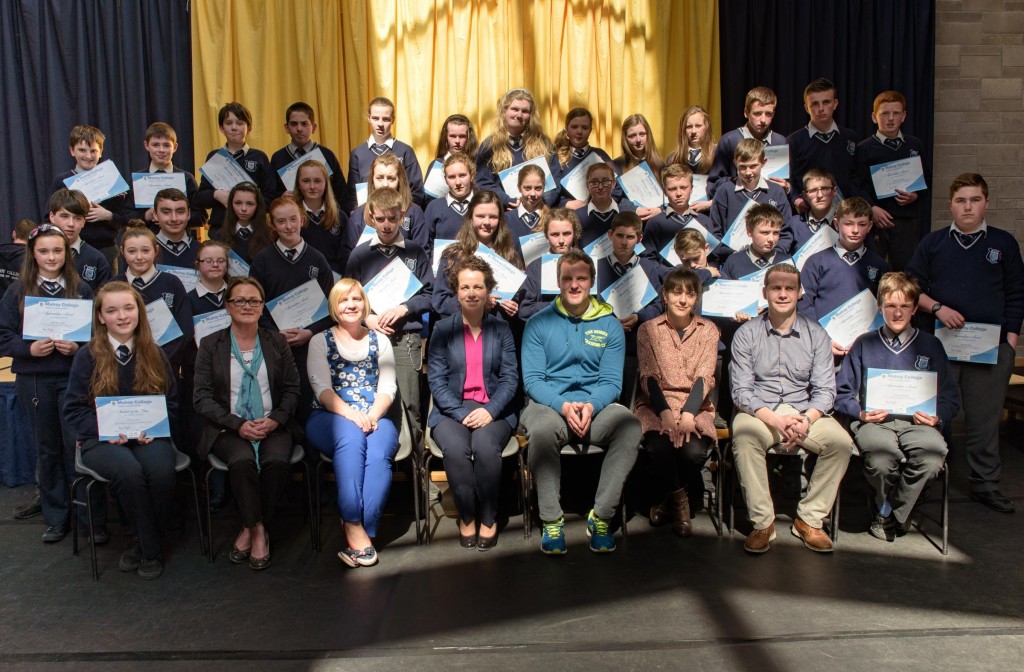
[352, 373]
[122, 359]
[473, 376]
[677, 353]
[247, 389]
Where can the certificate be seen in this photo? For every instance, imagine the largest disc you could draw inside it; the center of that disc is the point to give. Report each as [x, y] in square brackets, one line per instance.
[642, 187]
[736, 237]
[575, 181]
[102, 182]
[440, 245]
[188, 276]
[725, 298]
[510, 176]
[533, 246]
[434, 184]
[394, 285]
[291, 171]
[857, 316]
[905, 174]
[974, 342]
[237, 267]
[823, 239]
[161, 322]
[668, 253]
[709, 238]
[778, 162]
[901, 392]
[361, 193]
[367, 235]
[59, 319]
[700, 189]
[602, 247]
[145, 186]
[132, 417]
[300, 307]
[509, 278]
[207, 323]
[223, 172]
[629, 293]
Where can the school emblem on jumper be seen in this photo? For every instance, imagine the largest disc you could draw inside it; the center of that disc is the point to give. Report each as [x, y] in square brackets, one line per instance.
[250, 166]
[336, 230]
[913, 152]
[993, 256]
[773, 203]
[88, 273]
[872, 273]
[313, 272]
[851, 148]
[921, 363]
[169, 299]
[411, 263]
[405, 222]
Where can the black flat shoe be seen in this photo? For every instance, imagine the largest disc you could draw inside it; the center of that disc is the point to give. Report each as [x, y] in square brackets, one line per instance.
[259, 563]
[468, 540]
[238, 556]
[994, 500]
[486, 543]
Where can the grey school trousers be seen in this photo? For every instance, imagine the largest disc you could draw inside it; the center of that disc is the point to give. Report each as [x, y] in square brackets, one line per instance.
[983, 391]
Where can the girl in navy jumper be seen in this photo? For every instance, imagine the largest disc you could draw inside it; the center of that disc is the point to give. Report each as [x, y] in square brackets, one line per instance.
[457, 136]
[561, 227]
[212, 264]
[638, 146]
[523, 220]
[246, 230]
[326, 230]
[41, 369]
[517, 137]
[387, 171]
[572, 147]
[444, 215]
[695, 146]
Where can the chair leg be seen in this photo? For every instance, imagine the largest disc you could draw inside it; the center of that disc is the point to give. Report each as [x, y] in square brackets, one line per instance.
[209, 515]
[92, 538]
[945, 509]
[199, 513]
[719, 485]
[424, 480]
[835, 517]
[622, 514]
[74, 514]
[319, 506]
[524, 498]
[314, 531]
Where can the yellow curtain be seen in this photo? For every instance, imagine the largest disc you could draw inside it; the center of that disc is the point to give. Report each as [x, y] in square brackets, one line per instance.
[437, 58]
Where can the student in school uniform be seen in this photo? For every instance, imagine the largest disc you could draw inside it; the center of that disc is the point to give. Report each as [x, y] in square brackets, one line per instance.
[819, 188]
[212, 264]
[764, 226]
[68, 210]
[693, 251]
[759, 111]
[523, 220]
[444, 216]
[561, 227]
[638, 146]
[41, 376]
[457, 136]
[823, 143]
[572, 147]
[12, 254]
[235, 121]
[387, 171]
[517, 137]
[596, 217]
[177, 248]
[381, 116]
[246, 230]
[971, 271]
[300, 125]
[695, 148]
[901, 453]
[660, 230]
[327, 223]
[897, 218]
[402, 323]
[106, 218]
[161, 143]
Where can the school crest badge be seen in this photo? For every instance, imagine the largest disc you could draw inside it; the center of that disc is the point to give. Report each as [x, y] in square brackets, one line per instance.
[773, 203]
[851, 148]
[314, 272]
[993, 256]
[250, 166]
[169, 299]
[921, 363]
[336, 230]
[914, 152]
[88, 273]
[405, 223]
[411, 264]
[872, 273]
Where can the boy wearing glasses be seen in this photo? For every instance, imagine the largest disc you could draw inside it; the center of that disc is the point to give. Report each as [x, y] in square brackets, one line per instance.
[819, 189]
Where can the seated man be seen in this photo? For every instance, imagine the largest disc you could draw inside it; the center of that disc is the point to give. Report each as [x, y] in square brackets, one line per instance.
[885, 439]
[572, 358]
[783, 386]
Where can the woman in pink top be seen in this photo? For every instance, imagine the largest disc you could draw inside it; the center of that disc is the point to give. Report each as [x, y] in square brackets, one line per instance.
[473, 375]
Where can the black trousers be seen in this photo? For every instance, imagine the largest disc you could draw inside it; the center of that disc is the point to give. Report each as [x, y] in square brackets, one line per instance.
[674, 468]
[256, 491]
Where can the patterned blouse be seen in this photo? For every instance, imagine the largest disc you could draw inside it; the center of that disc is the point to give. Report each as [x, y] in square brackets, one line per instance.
[354, 382]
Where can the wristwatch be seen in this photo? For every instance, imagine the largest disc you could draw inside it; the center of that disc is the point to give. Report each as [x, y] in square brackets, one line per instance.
[936, 307]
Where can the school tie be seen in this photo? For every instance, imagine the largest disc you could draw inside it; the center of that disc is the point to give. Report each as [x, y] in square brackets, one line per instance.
[620, 269]
[244, 233]
[750, 194]
[825, 137]
[314, 217]
[676, 217]
[694, 156]
[300, 152]
[237, 156]
[460, 207]
[290, 254]
[530, 219]
[764, 141]
[378, 149]
[895, 342]
[139, 283]
[604, 217]
[218, 297]
[966, 239]
[51, 287]
[852, 257]
[893, 143]
[74, 253]
[515, 143]
[814, 224]
[580, 152]
[760, 262]
[123, 353]
[388, 250]
[176, 246]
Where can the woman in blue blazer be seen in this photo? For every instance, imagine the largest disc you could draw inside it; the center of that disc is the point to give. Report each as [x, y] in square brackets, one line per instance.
[473, 376]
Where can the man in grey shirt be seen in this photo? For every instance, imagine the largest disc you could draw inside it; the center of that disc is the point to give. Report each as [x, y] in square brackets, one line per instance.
[783, 386]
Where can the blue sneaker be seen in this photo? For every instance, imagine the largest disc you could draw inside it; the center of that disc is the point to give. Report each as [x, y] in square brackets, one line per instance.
[552, 541]
[601, 538]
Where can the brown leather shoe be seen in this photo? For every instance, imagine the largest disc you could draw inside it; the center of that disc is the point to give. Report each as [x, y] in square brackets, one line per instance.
[681, 513]
[659, 515]
[760, 541]
[813, 538]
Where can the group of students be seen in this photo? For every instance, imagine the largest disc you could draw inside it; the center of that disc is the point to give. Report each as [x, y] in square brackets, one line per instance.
[549, 358]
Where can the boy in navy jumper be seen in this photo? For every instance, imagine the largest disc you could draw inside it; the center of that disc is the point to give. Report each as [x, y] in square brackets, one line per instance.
[886, 440]
[819, 187]
[692, 249]
[161, 143]
[177, 248]
[759, 111]
[300, 125]
[660, 230]
[381, 115]
[68, 210]
[822, 143]
[764, 226]
[897, 218]
[235, 121]
[749, 185]
[561, 227]
[834, 276]
[972, 272]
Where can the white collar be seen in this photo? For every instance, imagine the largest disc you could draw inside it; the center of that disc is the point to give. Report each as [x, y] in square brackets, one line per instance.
[669, 211]
[451, 199]
[115, 344]
[591, 208]
[762, 184]
[201, 289]
[390, 142]
[521, 210]
[245, 149]
[812, 129]
[77, 246]
[905, 336]
[153, 168]
[308, 147]
[753, 257]
[840, 250]
[981, 229]
[882, 138]
[399, 241]
[59, 280]
[633, 261]
[323, 208]
[147, 277]
[298, 248]
[827, 219]
[747, 135]
[166, 242]
[247, 227]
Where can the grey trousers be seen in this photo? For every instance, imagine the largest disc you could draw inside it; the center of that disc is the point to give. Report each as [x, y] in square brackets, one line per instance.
[408, 368]
[983, 391]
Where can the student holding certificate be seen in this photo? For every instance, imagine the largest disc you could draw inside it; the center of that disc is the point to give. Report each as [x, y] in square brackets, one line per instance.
[695, 149]
[246, 229]
[517, 138]
[123, 360]
[572, 148]
[561, 228]
[387, 171]
[638, 146]
[523, 220]
[444, 215]
[902, 451]
[352, 372]
[327, 222]
[41, 368]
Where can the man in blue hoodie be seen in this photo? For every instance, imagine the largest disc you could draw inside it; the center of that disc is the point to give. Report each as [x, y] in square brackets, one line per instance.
[573, 353]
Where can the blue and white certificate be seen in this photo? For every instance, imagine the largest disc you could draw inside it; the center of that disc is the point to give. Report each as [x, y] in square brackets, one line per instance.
[602, 247]
[393, 285]
[778, 162]
[161, 322]
[736, 237]
[291, 171]
[132, 417]
[367, 235]
[642, 187]
[857, 316]
[533, 246]
[362, 193]
[905, 174]
[223, 172]
[575, 181]
[668, 253]
[300, 307]
[237, 267]
[59, 319]
[509, 278]
[188, 276]
[629, 293]
[725, 298]
[709, 237]
[102, 182]
[510, 176]
[434, 183]
[700, 189]
[208, 323]
[974, 342]
[440, 245]
[823, 239]
[901, 392]
[145, 186]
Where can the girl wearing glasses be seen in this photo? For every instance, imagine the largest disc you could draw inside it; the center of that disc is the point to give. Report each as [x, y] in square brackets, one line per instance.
[212, 264]
[596, 217]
